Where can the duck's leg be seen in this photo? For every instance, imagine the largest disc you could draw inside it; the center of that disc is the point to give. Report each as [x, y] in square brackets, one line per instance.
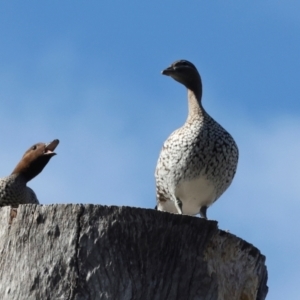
[203, 210]
[178, 205]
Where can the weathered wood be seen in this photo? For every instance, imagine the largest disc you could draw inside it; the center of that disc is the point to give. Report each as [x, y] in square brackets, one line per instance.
[99, 252]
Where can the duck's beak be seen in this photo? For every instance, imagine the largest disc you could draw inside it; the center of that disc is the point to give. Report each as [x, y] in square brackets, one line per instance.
[168, 71]
[50, 147]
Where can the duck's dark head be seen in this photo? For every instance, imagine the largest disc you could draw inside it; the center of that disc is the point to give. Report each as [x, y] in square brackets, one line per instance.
[35, 159]
[186, 73]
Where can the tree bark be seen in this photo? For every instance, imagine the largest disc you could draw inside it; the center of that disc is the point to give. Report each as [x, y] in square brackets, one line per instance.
[99, 252]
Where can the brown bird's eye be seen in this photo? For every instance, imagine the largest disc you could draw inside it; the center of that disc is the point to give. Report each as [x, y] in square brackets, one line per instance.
[33, 147]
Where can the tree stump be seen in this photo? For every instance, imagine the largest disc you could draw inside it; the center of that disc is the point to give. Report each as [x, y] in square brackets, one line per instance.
[99, 252]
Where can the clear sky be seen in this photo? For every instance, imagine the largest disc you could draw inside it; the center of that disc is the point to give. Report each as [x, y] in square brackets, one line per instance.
[88, 73]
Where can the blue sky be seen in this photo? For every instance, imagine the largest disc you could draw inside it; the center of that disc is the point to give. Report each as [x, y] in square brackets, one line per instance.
[88, 73]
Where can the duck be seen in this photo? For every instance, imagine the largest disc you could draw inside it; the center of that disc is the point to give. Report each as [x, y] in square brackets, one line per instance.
[13, 188]
[198, 161]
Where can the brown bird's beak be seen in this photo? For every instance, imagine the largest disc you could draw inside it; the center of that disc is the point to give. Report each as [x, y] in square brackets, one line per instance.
[168, 71]
[49, 149]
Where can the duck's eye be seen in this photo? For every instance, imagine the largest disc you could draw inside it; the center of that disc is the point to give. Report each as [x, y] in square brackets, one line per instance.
[33, 147]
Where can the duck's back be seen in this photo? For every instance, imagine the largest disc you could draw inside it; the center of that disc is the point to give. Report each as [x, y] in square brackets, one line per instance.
[13, 191]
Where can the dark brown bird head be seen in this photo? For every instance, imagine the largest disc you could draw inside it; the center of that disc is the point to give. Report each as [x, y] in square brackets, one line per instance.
[35, 159]
[186, 73]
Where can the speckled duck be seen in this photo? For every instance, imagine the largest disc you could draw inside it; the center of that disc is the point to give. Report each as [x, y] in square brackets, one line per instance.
[198, 161]
[13, 188]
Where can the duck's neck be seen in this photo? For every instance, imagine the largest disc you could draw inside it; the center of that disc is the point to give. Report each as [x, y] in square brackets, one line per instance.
[22, 176]
[23, 172]
[18, 178]
[195, 109]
